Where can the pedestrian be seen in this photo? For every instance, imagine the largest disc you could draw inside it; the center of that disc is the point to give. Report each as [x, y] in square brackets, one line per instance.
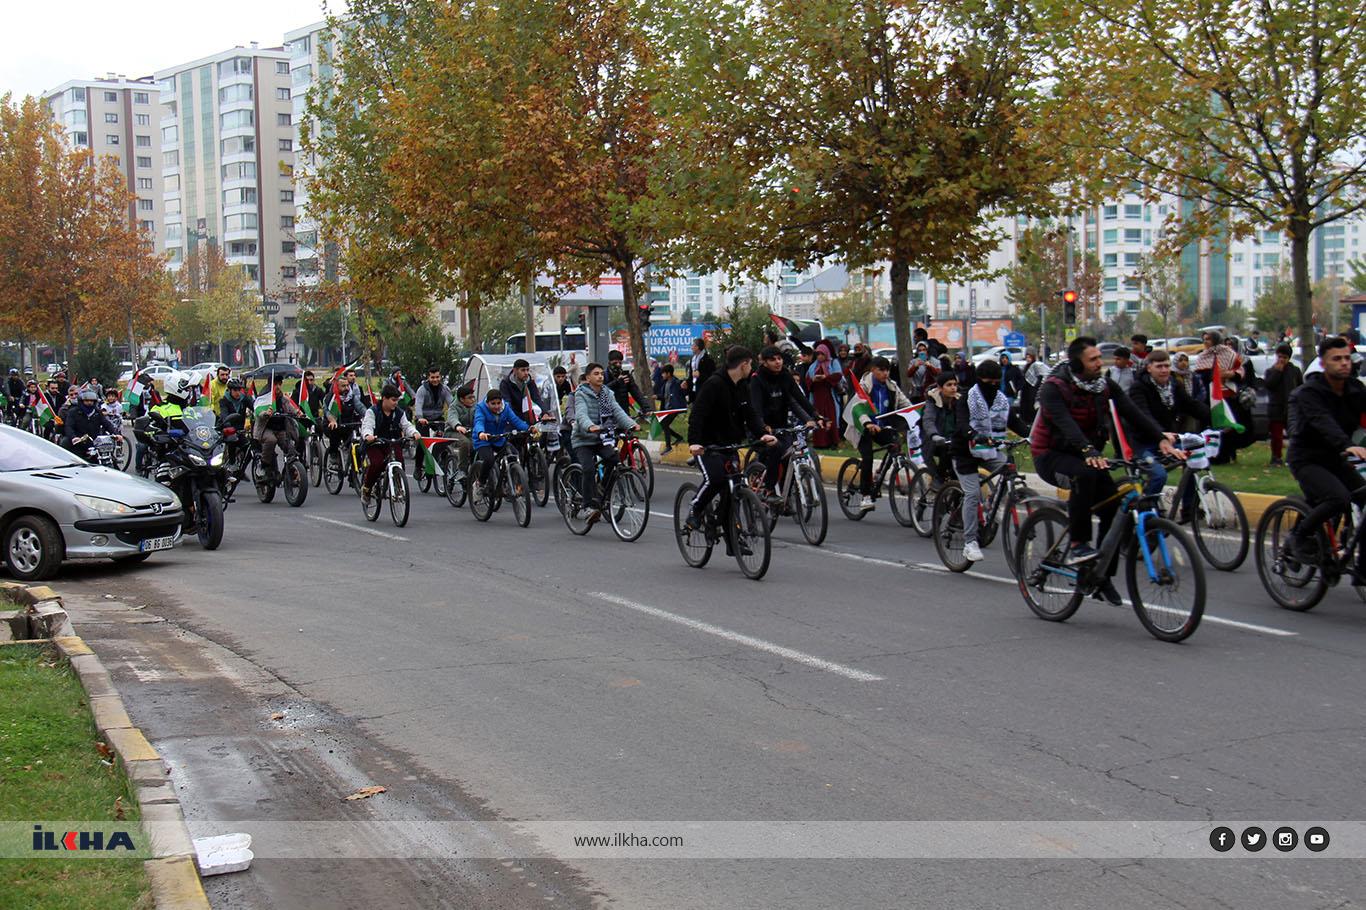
[1034, 372]
[1181, 371]
[1122, 370]
[700, 368]
[1282, 378]
[1012, 379]
[671, 398]
[822, 384]
[965, 371]
[922, 375]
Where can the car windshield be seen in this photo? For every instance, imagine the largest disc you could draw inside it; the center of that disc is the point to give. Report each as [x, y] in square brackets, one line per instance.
[20, 451]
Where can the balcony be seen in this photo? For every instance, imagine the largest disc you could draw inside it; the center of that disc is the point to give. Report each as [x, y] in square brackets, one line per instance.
[246, 233]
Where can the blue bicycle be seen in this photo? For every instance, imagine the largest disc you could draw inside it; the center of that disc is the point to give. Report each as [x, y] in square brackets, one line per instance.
[1164, 573]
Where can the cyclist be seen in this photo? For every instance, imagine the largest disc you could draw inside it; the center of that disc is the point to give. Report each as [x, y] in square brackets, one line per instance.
[356, 391]
[984, 415]
[85, 421]
[774, 395]
[14, 391]
[276, 424]
[1066, 441]
[353, 409]
[1166, 401]
[462, 414]
[308, 391]
[111, 408]
[431, 401]
[383, 427]
[491, 418]
[234, 403]
[885, 396]
[517, 386]
[595, 408]
[938, 423]
[721, 413]
[1324, 413]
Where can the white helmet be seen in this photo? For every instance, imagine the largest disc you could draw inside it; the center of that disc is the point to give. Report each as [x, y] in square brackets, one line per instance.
[179, 387]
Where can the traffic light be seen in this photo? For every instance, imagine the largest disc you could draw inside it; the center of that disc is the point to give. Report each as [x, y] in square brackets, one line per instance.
[927, 319]
[643, 309]
[1069, 306]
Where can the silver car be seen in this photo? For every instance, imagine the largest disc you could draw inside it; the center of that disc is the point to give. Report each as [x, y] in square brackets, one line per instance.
[55, 507]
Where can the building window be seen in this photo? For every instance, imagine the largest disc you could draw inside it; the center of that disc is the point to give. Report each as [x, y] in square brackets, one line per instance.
[143, 142]
[301, 74]
[1133, 235]
[238, 120]
[1237, 258]
[147, 226]
[245, 195]
[172, 182]
[1111, 236]
[145, 205]
[283, 120]
[230, 94]
[1131, 260]
[111, 118]
[287, 222]
[282, 67]
[286, 145]
[1133, 211]
[111, 97]
[1237, 281]
[286, 195]
[143, 119]
[144, 183]
[286, 170]
[1111, 212]
[239, 145]
[243, 222]
[1131, 283]
[145, 161]
[240, 170]
[1271, 237]
[1271, 260]
[139, 97]
[1111, 260]
[1111, 284]
[301, 46]
[448, 317]
[83, 139]
[282, 94]
[235, 67]
[288, 271]
[291, 322]
[287, 247]
[173, 206]
[111, 139]
[171, 158]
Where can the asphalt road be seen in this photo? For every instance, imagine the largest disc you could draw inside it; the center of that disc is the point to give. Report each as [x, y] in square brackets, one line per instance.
[550, 677]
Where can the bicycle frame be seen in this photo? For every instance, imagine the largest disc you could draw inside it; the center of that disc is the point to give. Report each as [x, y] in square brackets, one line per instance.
[1132, 514]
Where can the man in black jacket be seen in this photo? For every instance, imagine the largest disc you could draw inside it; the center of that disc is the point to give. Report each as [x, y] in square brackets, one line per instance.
[720, 416]
[1165, 400]
[623, 385]
[84, 421]
[773, 394]
[1324, 412]
[1282, 378]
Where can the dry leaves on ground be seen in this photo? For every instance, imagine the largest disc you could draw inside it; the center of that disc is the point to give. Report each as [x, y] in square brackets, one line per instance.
[366, 793]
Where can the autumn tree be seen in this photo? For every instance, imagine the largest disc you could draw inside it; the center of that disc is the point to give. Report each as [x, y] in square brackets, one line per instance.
[1252, 111]
[222, 303]
[1040, 272]
[853, 306]
[1163, 290]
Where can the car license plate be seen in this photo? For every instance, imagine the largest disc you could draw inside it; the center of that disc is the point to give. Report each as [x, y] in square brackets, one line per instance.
[156, 543]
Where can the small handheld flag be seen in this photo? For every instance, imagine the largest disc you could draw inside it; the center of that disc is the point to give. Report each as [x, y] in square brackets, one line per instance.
[1220, 411]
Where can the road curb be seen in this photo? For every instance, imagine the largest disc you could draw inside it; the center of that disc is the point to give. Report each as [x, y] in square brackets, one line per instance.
[172, 873]
[1254, 504]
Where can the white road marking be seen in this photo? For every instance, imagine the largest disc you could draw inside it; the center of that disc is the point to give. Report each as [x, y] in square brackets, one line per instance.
[749, 641]
[347, 524]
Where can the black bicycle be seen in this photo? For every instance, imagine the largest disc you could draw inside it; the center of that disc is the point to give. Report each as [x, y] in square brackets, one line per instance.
[288, 471]
[745, 531]
[342, 463]
[427, 482]
[1164, 573]
[1217, 519]
[896, 472]
[1005, 502]
[626, 503]
[1299, 579]
[391, 485]
[506, 479]
[799, 491]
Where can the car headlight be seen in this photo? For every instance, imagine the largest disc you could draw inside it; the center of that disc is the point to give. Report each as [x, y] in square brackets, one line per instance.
[107, 506]
[197, 460]
[217, 460]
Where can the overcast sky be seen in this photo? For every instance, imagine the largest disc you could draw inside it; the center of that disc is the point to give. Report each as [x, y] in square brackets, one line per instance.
[46, 42]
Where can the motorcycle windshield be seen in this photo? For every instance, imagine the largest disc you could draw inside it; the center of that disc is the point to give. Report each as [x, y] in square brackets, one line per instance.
[201, 427]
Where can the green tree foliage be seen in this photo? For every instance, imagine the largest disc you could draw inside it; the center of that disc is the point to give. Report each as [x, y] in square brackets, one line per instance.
[1040, 272]
[748, 321]
[95, 359]
[501, 318]
[852, 307]
[320, 327]
[420, 345]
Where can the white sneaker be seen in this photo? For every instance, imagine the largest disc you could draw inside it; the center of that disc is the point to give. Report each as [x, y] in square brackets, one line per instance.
[866, 504]
[972, 552]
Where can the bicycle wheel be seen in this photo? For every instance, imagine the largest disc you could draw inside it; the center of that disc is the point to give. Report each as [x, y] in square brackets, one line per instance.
[1220, 526]
[806, 498]
[644, 466]
[519, 491]
[749, 534]
[295, 482]
[399, 499]
[265, 487]
[754, 479]
[948, 528]
[847, 489]
[900, 480]
[481, 494]
[333, 476]
[538, 476]
[371, 508]
[570, 500]
[424, 480]
[628, 507]
[1049, 588]
[1290, 581]
[694, 545]
[1170, 599]
[1016, 511]
[923, 493]
[315, 461]
[123, 454]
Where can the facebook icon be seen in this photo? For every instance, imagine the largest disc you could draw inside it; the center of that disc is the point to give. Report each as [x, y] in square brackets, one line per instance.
[1221, 839]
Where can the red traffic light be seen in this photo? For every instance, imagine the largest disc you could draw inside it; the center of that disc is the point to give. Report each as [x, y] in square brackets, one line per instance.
[1069, 296]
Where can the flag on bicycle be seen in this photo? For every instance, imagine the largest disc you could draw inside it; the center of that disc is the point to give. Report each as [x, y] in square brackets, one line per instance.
[205, 386]
[1221, 415]
[1121, 440]
[859, 409]
[262, 403]
[136, 390]
[44, 409]
[430, 467]
[405, 394]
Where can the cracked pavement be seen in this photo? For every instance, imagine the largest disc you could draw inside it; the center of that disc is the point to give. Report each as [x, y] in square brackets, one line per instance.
[476, 659]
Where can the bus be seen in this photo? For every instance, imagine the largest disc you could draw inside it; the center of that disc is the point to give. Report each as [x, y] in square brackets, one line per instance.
[574, 340]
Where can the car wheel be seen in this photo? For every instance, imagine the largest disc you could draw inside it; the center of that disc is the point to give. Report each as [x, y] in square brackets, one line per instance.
[33, 548]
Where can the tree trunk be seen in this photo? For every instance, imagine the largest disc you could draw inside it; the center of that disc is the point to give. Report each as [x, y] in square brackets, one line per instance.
[476, 339]
[1299, 271]
[529, 315]
[69, 334]
[132, 341]
[901, 314]
[627, 272]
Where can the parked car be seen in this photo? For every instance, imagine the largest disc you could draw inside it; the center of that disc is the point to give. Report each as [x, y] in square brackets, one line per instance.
[199, 369]
[1017, 355]
[1108, 348]
[54, 508]
[154, 371]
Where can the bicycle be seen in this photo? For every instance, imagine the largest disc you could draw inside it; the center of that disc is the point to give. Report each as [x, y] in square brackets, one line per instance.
[894, 462]
[506, 480]
[391, 485]
[316, 451]
[799, 493]
[746, 533]
[925, 487]
[634, 455]
[1218, 521]
[538, 456]
[428, 482]
[293, 475]
[1157, 555]
[341, 463]
[1299, 583]
[1004, 495]
[626, 503]
[457, 480]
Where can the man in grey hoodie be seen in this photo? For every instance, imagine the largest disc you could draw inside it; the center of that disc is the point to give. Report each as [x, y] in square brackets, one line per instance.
[596, 415]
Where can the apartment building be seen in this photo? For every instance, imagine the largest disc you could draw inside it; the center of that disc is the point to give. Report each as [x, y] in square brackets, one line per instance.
[227, 163]
[115, 117]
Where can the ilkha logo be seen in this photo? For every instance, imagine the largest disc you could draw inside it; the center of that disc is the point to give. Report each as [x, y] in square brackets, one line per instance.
[81, 840]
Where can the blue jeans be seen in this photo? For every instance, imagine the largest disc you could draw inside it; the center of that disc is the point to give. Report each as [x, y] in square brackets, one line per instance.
[1158, 478]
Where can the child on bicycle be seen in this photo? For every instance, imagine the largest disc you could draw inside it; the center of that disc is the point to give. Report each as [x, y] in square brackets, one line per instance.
[885, 395]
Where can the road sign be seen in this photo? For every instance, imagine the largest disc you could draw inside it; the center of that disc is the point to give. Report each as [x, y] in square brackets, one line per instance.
[972, 305]
[268, 336]
[1070, 333]
[1014, 340]
[269, 307]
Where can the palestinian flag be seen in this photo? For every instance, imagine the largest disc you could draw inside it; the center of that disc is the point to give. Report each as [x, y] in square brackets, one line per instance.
[1125, 450]
[405, 394]
[859, 409]
[262, 403]
[792, 328]
[1220, 411]
[251, 389]
[205, 386]
[45, 413]
[429, 464]
[136, 389]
